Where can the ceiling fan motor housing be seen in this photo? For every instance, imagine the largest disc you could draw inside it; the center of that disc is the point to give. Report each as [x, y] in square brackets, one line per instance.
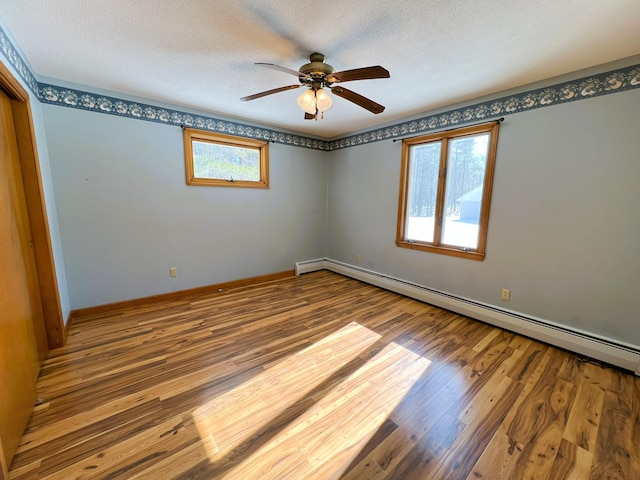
[317, 69]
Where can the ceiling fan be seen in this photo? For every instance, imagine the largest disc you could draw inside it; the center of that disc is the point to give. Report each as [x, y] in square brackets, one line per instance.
[317, 75]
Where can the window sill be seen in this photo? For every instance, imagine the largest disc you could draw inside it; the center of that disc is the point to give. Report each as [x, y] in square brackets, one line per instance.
[452, 251]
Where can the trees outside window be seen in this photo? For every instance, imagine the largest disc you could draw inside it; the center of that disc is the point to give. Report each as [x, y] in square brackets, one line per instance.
[225, 160]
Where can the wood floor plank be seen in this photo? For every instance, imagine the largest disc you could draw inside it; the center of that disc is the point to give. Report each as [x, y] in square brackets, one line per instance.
[392, 450]
[584, 419]
[64, 425]
[178, 462]
[53, 449]
[368, 470]
[361, 462]
[423, 457]
[548, 410]
[117, 456]
[498, 459]
[321, 377]
[502, 453]
[58, 455]
[469, 445]
[572, 462]
[616, 454]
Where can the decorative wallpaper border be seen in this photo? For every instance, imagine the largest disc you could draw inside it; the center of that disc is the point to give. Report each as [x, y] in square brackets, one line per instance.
[15, 60]
[68, 97]
[627, 78]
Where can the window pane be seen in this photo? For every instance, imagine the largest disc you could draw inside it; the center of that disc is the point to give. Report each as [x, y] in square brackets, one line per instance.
[466, 167]
[424, 164]
[225, 162]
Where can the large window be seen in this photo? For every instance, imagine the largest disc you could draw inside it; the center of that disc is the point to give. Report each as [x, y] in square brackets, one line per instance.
[445, 191]
[225, 160]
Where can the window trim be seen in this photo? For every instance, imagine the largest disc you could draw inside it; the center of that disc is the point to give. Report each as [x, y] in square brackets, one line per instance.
[445, 137]
[262, 146]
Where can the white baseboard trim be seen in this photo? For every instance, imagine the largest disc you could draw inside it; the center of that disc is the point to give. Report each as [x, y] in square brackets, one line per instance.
[607, 350]
[310, 266]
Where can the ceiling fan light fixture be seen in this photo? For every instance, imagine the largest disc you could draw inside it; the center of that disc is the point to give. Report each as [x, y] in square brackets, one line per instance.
[323, 100]
[307, 102]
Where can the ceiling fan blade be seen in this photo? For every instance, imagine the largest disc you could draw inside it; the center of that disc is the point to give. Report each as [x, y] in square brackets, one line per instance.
[358, 99]
[269, 92]
[365, 73]
[309, 116]
[285, 70]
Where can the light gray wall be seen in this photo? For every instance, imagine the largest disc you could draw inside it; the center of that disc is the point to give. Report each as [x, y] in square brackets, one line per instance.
[564, 224]
[127, 215]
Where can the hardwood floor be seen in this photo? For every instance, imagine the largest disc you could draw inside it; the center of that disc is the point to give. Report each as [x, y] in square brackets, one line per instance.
[322, 377]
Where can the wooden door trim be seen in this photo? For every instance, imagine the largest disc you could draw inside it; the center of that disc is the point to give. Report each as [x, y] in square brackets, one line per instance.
[34, 195]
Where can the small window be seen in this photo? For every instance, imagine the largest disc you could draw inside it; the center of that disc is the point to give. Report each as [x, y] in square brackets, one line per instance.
[445, 191]
[225, 160]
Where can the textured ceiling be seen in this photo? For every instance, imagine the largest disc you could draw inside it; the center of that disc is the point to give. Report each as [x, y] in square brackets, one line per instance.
[200, 54]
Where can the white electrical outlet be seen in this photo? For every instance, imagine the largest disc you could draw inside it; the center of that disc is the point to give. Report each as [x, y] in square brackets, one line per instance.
[358, 258]
[506, 294]
[173, 272]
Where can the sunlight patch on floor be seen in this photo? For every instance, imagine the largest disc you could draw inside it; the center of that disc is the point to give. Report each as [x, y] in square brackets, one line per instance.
[340, 419]
[324, 441]
[236, 416]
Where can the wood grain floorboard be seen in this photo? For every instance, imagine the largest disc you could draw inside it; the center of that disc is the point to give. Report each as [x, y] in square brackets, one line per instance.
[321, 377]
